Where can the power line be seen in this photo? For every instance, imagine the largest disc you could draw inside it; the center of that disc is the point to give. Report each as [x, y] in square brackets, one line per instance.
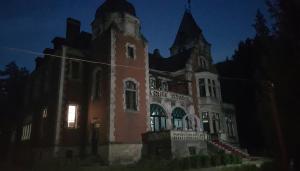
[103, 63]
[70, 58]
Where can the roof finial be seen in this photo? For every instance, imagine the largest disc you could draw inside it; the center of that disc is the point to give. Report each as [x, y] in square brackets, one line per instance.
[189, 6]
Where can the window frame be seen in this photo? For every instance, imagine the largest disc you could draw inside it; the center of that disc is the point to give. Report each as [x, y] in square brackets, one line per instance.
[202, 86]
[26, 132]
[75, 117]
[161, 117]
[131, 90]
[132, 47]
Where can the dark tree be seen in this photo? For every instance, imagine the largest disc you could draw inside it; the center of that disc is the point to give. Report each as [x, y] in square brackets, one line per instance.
[12, 85]
[269, 56]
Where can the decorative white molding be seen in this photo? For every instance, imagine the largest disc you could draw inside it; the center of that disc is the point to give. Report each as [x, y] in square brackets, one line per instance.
[59, 102]
[147, 87]
[112, 88]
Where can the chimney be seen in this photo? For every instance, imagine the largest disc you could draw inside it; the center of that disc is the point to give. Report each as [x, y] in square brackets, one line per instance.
[156, 52]
[38, 62]
[73, 29]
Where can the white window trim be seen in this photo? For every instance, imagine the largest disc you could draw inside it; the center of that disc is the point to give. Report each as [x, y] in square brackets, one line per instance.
[134, 50]
[137, 95]
[206, 76]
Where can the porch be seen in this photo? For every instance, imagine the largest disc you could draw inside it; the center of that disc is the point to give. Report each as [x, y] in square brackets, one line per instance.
[173, 143]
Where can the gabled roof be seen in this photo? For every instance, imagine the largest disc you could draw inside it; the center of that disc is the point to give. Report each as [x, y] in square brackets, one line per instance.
[170, 64]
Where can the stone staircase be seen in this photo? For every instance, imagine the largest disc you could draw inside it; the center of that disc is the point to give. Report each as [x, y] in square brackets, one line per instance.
[228, 148]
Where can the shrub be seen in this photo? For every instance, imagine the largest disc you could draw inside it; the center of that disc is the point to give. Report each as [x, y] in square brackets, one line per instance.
[194, 162]
[225, 159]
[184, 163]
[236, 159]
[205, 161]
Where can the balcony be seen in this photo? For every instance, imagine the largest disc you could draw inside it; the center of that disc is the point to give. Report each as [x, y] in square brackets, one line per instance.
[172, 144]
[169, 95]
[176, 136]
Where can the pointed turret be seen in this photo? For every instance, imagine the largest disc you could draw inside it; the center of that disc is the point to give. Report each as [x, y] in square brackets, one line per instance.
[189, 34]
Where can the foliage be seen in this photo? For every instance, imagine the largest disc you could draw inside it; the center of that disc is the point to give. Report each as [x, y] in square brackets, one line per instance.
[12, 86]
[272, 55]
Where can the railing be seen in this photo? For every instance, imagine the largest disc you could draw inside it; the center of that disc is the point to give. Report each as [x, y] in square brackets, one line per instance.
[186, 135]
[177, 136]
[169, 95]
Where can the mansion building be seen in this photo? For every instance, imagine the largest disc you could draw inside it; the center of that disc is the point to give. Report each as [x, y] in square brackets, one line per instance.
[104, 94]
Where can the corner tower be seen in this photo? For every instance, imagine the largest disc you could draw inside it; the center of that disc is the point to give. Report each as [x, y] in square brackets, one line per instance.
[190, 36]
[124, 113]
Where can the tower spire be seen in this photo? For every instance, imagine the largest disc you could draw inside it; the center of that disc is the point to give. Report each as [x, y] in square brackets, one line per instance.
[189, 6]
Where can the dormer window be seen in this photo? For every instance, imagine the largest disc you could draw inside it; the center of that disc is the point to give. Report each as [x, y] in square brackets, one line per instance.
[130, 51]
[202, 63]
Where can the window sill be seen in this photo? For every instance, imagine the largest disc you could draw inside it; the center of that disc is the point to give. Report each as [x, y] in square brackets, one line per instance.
[131, 111]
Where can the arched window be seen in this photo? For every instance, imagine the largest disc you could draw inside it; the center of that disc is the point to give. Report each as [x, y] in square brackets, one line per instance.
[96, 87]
[131, 95]
[177, 115]
[158, 118]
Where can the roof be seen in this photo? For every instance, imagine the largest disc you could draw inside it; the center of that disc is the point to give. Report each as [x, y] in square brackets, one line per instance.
[110, 6]
[188, 30]
[170, 64]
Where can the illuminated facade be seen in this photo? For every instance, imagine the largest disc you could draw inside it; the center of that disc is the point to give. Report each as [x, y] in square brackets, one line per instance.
[103, 94]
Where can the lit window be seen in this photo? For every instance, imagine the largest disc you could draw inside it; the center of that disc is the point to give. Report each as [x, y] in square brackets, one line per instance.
[177, 116]
[202, 88]
[158, 118]
[131, 95]
[26, 132]
[72, 116]
[45, 113]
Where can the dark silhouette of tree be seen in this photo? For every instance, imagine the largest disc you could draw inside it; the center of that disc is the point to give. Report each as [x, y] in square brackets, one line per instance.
[262, 30]
[249, 69]
[286, 14]
[269, 56]
[12, 85]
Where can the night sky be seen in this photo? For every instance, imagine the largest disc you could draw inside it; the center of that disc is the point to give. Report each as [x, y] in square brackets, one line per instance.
[32, 24]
